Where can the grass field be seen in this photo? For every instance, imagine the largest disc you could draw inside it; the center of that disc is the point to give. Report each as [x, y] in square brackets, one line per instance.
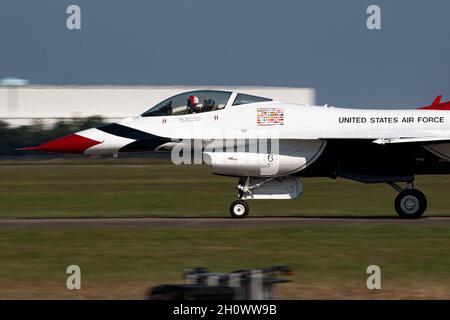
[329, 259]
[120, 189]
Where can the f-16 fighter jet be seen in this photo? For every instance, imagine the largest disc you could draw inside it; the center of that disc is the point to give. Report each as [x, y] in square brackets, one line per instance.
[269, 145]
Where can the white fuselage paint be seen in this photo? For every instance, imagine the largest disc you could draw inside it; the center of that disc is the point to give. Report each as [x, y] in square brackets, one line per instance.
[300, 122]
[302, 133]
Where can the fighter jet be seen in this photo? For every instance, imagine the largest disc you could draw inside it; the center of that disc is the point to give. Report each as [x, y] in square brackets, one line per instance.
[270, 145]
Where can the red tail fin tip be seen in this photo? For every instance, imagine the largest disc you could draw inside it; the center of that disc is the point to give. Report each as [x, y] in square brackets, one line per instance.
[437, 100]
[437, 105]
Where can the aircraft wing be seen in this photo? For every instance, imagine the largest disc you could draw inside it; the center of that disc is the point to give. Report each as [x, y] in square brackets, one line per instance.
[412, 139]
[440, 146]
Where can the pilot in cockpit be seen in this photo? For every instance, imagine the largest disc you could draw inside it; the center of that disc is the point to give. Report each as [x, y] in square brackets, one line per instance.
[192, 104]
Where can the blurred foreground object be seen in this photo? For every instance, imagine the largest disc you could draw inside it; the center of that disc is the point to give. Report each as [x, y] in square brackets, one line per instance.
[200, 284]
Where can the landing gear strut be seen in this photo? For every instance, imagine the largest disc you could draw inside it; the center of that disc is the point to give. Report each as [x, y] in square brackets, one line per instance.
[239, 209]
[282, 187]
[410, 203]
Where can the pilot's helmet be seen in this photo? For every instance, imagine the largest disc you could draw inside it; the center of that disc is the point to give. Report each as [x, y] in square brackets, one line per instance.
[192, 101]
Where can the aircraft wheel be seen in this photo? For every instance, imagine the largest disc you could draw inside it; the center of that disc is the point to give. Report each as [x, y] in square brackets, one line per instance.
[410, 204]
[239, 209]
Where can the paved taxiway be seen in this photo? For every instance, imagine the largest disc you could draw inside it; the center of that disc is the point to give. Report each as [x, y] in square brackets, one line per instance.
[203, 222]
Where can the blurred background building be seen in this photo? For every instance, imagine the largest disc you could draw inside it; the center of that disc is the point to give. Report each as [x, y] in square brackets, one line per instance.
[21, 104]
[33, 114]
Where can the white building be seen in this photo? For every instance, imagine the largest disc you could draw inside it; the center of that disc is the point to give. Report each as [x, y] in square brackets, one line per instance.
[22, 104]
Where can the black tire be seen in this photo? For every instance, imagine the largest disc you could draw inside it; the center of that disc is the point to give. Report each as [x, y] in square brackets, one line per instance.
[239, 209]
[410, 204]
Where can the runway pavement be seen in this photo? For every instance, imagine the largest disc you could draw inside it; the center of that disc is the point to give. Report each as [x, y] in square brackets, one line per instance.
[204, 222]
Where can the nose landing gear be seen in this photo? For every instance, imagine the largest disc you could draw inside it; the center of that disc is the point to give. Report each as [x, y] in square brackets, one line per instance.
[410, 203]
[283, 187]
[239, 209]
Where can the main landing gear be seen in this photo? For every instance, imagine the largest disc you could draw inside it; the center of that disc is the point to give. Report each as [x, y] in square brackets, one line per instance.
[410, 203]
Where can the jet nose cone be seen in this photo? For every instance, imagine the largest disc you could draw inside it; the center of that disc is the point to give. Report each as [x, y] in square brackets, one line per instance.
[71, 143]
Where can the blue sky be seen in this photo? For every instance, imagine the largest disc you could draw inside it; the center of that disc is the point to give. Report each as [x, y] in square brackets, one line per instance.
[312, 43]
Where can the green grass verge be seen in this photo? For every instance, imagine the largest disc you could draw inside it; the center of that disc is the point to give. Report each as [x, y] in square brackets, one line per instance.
[329, 261]
[169, 190]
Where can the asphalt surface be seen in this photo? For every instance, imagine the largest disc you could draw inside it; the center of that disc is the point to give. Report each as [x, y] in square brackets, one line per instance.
[204, 222]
